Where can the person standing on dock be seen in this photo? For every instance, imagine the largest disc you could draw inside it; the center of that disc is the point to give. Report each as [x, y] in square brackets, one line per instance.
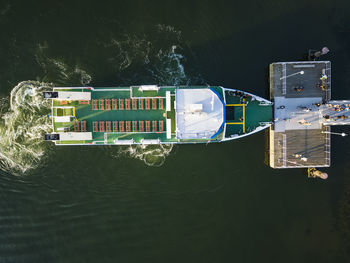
[299, 88]
[304, 122]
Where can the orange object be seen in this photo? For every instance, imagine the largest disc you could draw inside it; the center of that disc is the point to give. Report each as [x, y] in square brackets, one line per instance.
[134, 104]
[115, 126]
[121, 104]
[141, 126]
[154, 104]
[148, 104]
[102, 126]
[141, 104]
[161, 126]
[154, 126]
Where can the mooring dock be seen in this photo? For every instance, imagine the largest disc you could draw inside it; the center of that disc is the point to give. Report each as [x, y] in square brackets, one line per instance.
[303, 114]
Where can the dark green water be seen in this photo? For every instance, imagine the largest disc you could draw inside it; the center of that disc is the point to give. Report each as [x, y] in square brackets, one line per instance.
[197, 203]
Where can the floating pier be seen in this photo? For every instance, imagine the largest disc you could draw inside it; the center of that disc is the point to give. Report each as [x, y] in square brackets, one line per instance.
[303, 113]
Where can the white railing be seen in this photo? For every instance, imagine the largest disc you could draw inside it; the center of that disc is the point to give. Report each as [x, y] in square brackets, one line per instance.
[329, 78]
[284, 149]
[328, 146]
[284, 81]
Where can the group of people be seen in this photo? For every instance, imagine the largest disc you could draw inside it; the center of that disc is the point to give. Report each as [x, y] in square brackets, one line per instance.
[340, 117]
[338, 107]
[300, 156]
[299, 88]
[304, 122]
[242, 96]
[323, 82]
[322, 86]
[303, 108]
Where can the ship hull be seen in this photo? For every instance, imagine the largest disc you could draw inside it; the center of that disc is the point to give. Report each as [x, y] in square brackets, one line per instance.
[154, 115]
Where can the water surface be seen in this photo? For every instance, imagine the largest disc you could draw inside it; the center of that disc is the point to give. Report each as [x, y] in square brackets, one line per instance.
[190, 203]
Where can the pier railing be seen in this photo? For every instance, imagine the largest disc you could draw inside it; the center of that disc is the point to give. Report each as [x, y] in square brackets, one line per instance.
[329, 78]
[328, 146]
[294, 144]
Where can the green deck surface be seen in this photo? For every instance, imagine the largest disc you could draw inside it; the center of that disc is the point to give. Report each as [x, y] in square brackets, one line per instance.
[84, 112]
[142, 94]
[254, 115]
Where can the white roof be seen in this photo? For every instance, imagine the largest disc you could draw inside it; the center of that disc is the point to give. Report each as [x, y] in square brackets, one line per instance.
[62, 118]
[75, 136]
[168, 101]
[148, 87]
[198, 122]
[124, 142]
[150, 141]
[168, 128]
[74, 95]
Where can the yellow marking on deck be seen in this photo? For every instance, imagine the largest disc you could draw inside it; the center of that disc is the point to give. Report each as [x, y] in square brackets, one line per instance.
[235, 105]
[74, 111]
[243, 118]
[243, 122]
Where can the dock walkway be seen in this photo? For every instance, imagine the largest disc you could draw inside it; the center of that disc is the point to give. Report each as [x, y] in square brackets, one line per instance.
[300, 92]
[336, 112]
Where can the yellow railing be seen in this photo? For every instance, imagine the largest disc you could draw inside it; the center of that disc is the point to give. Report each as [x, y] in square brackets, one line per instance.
[239, 123]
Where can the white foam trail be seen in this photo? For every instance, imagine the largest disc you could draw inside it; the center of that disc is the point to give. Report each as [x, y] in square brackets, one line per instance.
[85, 78]
[165, 67]
[127, 51]
[22, 128]
[158, 55]
[168, 69]
[59, 71]
[151, 155]
[170, 30]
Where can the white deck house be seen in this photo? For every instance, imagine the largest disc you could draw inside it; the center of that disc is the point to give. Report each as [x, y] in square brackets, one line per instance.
[199, 113]
[68, 95]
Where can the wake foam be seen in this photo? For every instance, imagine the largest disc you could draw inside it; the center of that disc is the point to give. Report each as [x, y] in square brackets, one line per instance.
[23, 123]
[168, 69]
[151, 155]
[157, 58]
[58, 71]
[163, 65]
[162, 59]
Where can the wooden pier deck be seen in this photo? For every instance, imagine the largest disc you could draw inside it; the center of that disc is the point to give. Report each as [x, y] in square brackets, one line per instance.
[298, 137]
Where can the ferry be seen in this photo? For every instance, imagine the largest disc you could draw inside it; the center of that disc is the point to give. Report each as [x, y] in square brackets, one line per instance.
[151, 114]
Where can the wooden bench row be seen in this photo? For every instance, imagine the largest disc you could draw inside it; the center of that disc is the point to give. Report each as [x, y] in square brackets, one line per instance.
[80, 126]
[127, 104]
[128, 126]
